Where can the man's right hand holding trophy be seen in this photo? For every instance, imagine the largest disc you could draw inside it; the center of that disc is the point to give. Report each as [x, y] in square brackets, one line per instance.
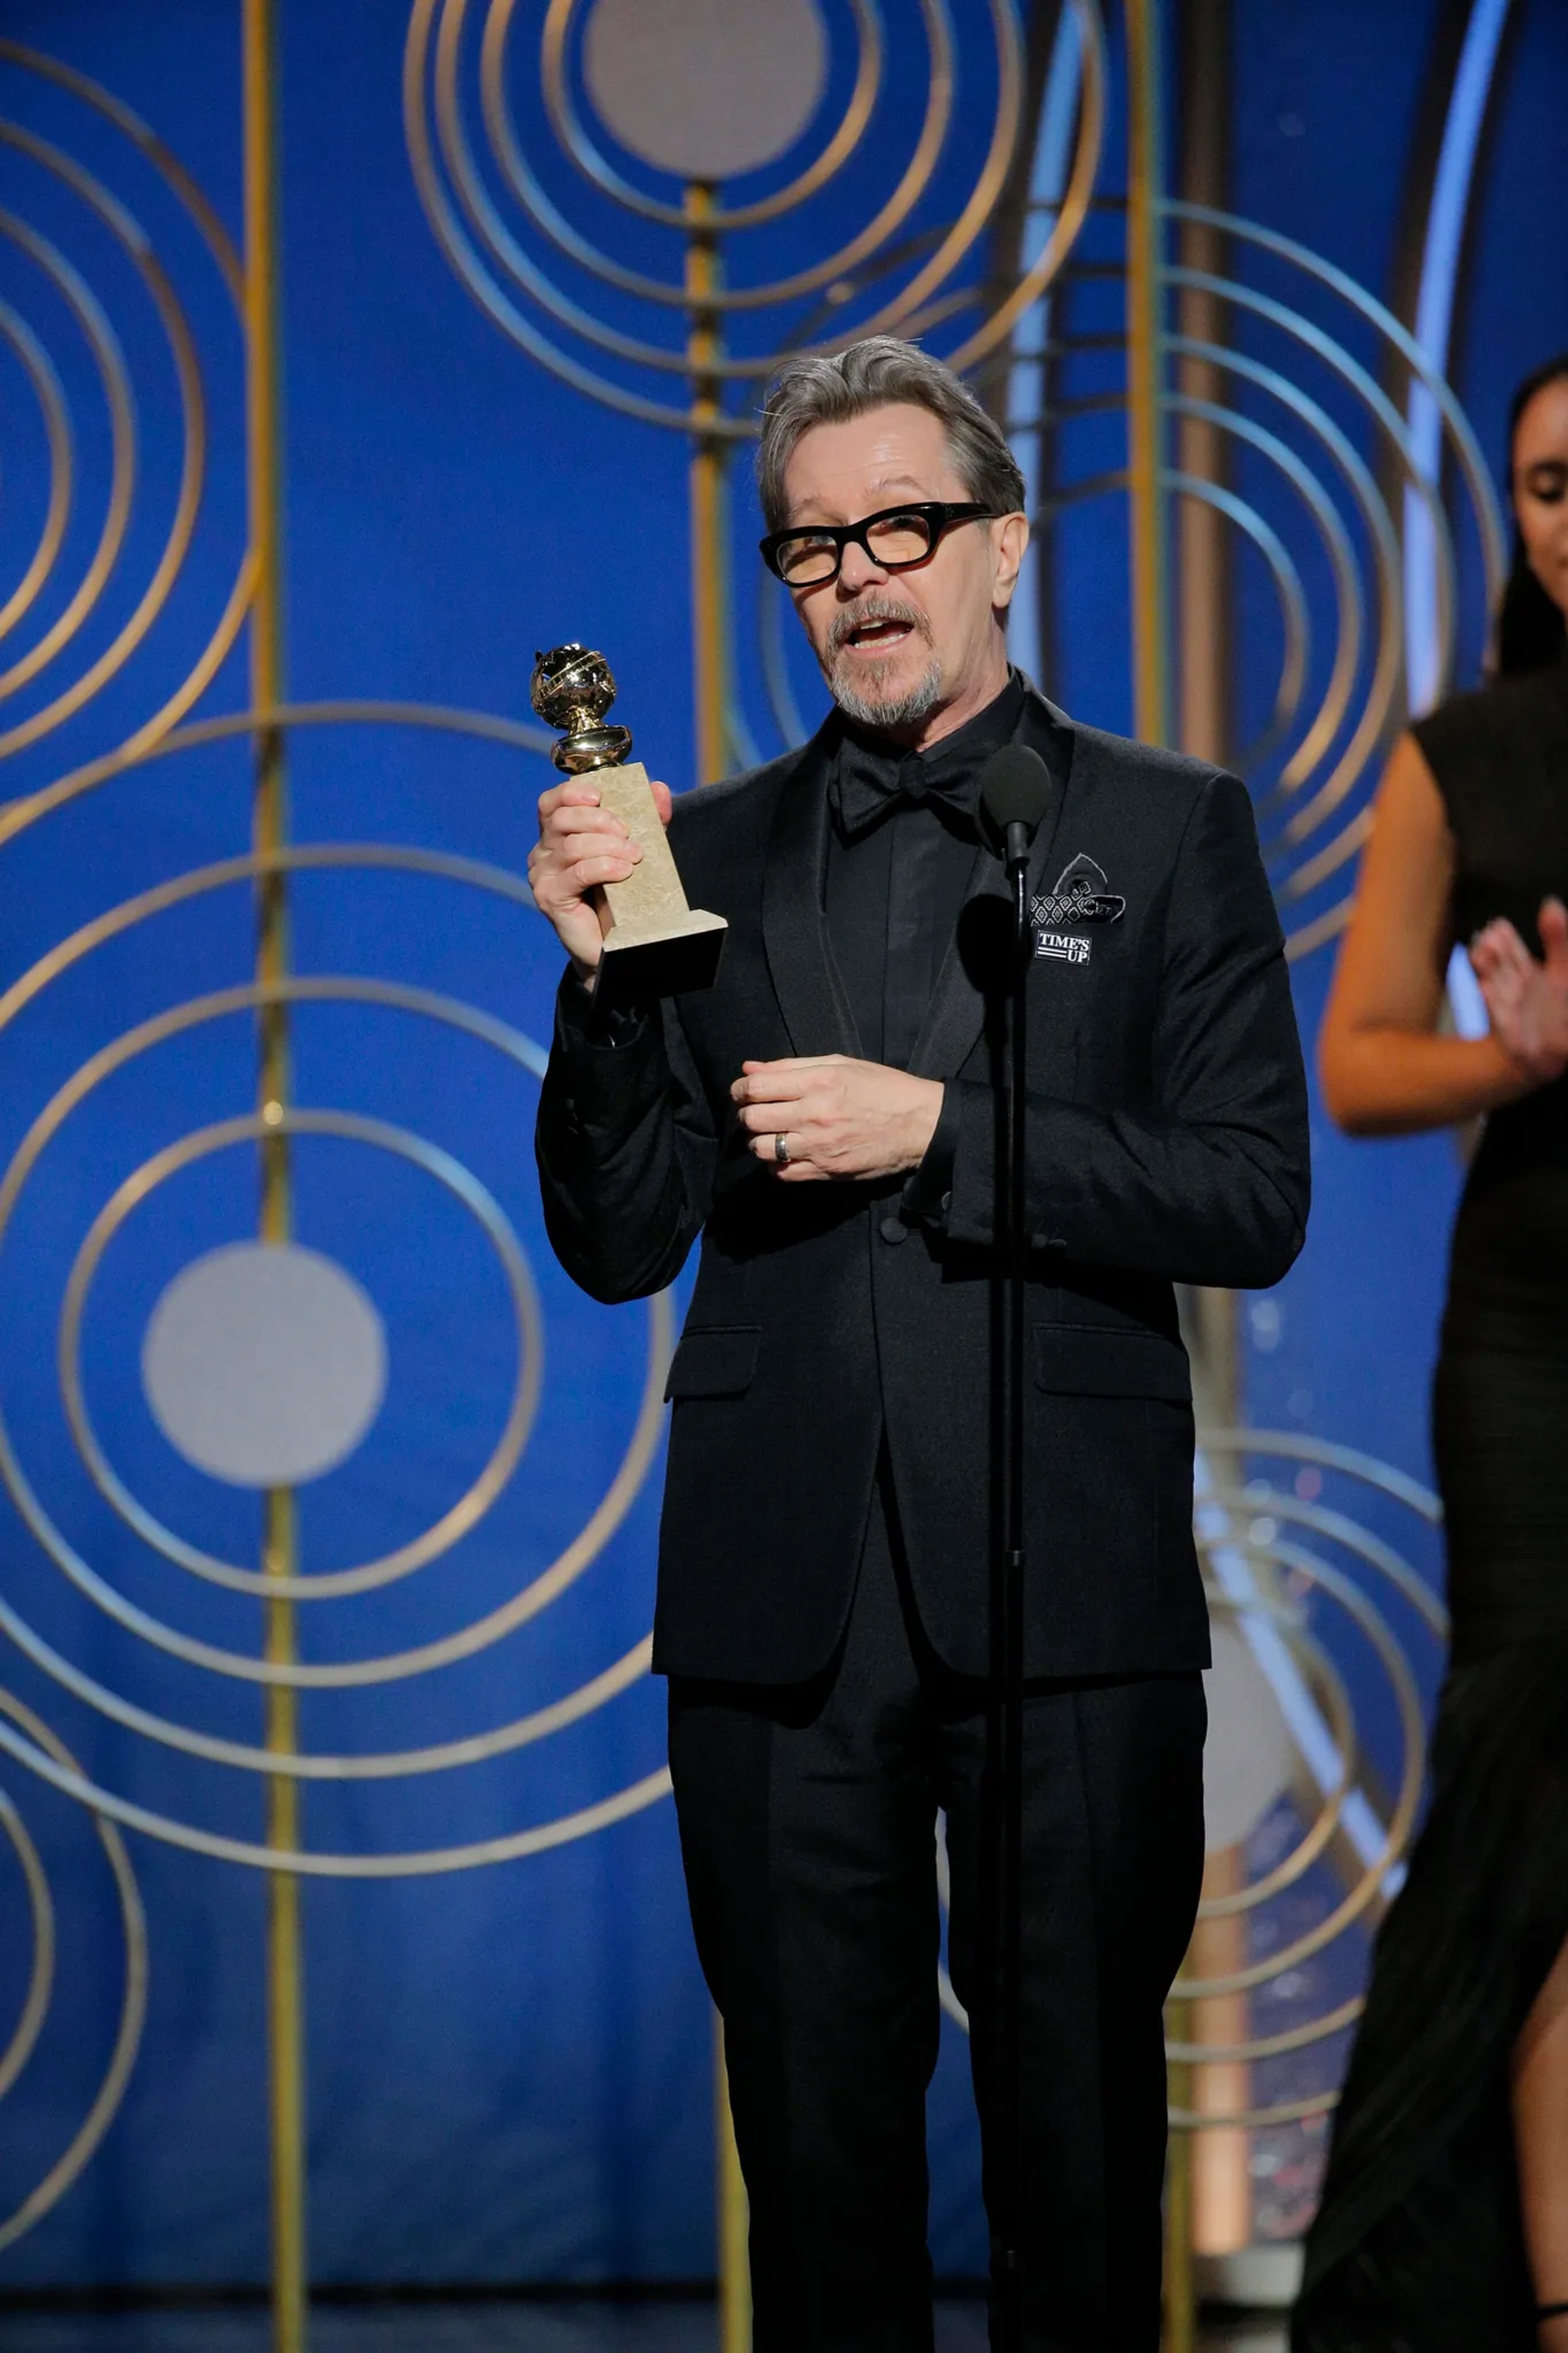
[601, 871]
[582, 845]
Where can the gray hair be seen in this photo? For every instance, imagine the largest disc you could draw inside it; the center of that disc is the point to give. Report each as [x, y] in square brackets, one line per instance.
[871, 375]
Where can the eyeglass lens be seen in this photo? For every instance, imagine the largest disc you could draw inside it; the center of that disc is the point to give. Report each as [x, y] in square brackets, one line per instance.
[895, 539]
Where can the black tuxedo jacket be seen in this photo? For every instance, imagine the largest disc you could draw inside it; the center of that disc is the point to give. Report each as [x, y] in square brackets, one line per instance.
[1167, 1138]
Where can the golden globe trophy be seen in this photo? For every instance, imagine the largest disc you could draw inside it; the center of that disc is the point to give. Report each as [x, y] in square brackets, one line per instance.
[655, 945]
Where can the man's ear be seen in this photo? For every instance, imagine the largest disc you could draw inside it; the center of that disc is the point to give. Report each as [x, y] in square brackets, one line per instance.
[1009, 539]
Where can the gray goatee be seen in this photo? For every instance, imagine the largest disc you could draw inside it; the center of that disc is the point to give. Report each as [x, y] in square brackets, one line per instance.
[856, 687]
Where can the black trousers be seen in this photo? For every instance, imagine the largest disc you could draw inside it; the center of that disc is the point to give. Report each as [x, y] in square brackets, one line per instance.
[807, 1828]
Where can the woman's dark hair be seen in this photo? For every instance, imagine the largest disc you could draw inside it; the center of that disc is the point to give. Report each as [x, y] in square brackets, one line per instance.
[1530, 628]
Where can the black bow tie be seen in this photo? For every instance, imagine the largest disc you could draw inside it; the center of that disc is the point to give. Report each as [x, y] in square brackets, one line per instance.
[869, 783]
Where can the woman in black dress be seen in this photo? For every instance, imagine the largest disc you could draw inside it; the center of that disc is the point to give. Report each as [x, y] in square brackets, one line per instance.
[1444, 2222]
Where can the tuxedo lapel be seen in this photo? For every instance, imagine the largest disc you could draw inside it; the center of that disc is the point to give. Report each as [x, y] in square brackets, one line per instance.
[957, 1010]
[795, 930]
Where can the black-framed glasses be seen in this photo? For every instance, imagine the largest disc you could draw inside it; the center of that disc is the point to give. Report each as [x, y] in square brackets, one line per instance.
[894, 538]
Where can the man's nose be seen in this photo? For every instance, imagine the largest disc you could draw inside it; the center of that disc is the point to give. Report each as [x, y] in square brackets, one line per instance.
[859, 570]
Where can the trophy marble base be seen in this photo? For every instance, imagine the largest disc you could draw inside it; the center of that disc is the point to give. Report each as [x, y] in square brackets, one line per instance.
[656, 945]
[638, 968]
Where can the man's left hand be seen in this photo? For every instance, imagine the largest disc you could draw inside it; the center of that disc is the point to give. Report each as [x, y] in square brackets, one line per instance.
[839, 1118]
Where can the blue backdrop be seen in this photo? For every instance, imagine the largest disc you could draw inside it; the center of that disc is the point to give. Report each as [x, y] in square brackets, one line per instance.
[510, 2069]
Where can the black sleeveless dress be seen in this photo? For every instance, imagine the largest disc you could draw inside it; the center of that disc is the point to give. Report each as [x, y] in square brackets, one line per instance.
[1419, 2245]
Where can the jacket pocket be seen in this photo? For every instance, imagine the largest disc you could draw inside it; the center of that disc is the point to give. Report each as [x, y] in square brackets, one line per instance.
[1092, 1360]
[719, 1361]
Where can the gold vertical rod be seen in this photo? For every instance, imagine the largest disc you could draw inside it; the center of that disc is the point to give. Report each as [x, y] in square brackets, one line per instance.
[1222, 2154]
[1146, 361]
[1203, 580]
[710, 687]
[1152, 720]
[1203, 570]
[1181, 2329]
[733, 2216]
[285, 1995]
[1218, 2158]
[710, 532]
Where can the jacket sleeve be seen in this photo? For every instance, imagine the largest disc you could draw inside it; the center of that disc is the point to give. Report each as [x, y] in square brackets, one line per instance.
[1209, 1182]
[625, 1146]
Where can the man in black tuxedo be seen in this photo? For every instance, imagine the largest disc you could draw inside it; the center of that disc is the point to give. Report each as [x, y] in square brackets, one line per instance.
[825, 1119]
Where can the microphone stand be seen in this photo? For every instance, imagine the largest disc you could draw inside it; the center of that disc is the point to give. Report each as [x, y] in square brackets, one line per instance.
[1008, 1629]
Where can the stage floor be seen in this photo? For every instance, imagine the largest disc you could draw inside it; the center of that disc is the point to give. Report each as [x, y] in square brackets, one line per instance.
[591, 2326]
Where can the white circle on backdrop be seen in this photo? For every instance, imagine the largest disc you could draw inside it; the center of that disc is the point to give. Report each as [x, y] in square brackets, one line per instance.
[1248, 1752]
[706, 88]
[264, 1364]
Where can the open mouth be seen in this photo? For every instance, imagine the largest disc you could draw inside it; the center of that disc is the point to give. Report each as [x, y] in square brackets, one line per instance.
[878, 637]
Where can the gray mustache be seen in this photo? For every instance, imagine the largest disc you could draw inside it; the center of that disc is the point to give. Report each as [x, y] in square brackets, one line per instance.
[875, 608]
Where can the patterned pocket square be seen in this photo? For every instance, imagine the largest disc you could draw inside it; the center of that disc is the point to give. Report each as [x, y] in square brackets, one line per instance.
[1082, 896]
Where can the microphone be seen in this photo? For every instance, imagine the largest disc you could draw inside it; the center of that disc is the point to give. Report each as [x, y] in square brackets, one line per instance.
[1016, 787]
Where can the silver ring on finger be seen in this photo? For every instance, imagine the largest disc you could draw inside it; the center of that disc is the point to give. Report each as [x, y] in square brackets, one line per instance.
[781, 1149]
